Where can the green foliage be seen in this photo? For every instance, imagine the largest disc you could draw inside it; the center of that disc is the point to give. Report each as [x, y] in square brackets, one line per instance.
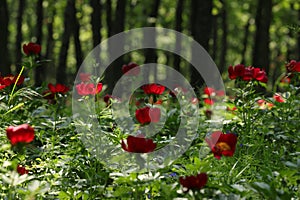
[265, 164]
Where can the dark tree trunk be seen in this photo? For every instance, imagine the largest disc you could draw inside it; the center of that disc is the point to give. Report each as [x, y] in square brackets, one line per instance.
[298, 40]
[201, 18]
[214, 51]
[61, 73]
[50, 43]
[119, 22]
[39, 71]
[150, 54]
[261, 46]
[224, 38]
[96, 21]
[109, 20]
[245, 42]
[19, 38]
[4, 18]
[114, 72]
[178, 27]
[76, 30]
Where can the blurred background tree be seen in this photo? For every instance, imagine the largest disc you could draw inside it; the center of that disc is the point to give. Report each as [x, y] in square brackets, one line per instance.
[262, 33]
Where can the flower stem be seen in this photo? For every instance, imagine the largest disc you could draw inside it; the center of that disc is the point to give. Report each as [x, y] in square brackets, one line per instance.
[12, 92]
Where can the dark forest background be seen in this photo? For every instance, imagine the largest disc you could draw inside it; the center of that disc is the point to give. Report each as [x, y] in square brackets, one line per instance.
[262, 33]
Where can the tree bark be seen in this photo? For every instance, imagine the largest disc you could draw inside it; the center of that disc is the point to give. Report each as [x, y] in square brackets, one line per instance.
[214, 51]
[50, 43]
[114, 72]
[200, 25]
[109, 21]
[62, 65]
[224, 38]
[19, 36]
[178, 27]
[298, 39]
[96, 21]
[119, 22]
[76, 30]
[39, 71]
[261, 46]
[150, 54]
[245, 42]
[4, 19]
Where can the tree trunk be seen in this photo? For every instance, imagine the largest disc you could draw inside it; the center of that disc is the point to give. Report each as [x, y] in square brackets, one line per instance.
[119, 23]
[62, 65]
[96, 21]
[214, 51]
[19, 36]
[178, 27]
[224, 38]
[150, 54]
[261, 46]
[245, 42]
[4, 18]
[201, 18]
[114, 72]
[50, 43]
[109, 20]
[76, 30]
[39, 71]
[298, 39]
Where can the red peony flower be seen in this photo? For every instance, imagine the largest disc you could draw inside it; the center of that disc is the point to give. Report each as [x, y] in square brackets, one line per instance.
[236, 71]
[2, 85]
[260, 102]
[158, 102]
[209, 91]
[277, 97]
[231, 73]
[264, 104]
[194, 182]
[260, 75]
[286, 79]
[247, 73]
[222, 144]
[58, 88]
[131, 69]
[21, 170]
[32, 48]
[20, 134]
[107, 98]
[138, 144]
[10, 79]
[147, 115]
[293, 66]
[85, 89]
[208, 101]
[85, 77]
[153, 88]
[20, 81]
